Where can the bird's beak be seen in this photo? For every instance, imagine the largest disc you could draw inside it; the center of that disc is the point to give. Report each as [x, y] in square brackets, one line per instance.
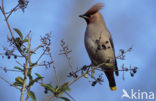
[83, 16]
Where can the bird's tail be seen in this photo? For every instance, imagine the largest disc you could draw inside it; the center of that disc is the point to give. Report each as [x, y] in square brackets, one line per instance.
[110, 77]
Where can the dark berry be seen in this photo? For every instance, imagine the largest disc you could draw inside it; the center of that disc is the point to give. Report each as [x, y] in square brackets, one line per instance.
[126, 69]
[132, 74]
[46, 91]
[15, 57]
[94, 83]
[9, 57]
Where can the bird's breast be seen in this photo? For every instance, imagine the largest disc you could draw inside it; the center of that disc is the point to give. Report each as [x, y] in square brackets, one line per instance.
[98, 45]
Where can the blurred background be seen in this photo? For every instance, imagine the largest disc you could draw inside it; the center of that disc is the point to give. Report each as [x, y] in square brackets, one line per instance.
[131, 23]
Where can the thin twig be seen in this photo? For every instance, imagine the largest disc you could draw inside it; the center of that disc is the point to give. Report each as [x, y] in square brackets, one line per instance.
[11, 54]
[51, 97]
[91, 76]
[85, 74]
[9, 83]
[36, 48]
[12, 70]
[91, 65]
[75, 79]
[3, 11]
[19, 63]
[69, 96]
[54, 67]
[124, 52]
[27, 35]
[123, 72]
[2, 4]
[40, 56]
[14, 9]
[69, 62]
[66, 51]
[29, 49]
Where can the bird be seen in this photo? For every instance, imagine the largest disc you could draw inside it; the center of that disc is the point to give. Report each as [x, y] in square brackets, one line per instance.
[99, 43]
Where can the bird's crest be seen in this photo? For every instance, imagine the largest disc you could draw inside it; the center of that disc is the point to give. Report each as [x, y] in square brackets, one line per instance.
[94, 9]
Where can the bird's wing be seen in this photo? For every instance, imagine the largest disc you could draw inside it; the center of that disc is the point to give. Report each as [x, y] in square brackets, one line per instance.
[116, 67]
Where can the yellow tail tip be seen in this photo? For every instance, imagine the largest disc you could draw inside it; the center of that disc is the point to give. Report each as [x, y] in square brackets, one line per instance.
[113, 88]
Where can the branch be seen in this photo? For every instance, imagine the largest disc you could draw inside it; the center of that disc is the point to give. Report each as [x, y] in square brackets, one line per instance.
[69, 96]
[65, 50]
[3, 11]
[6, 70]
[36, 48]
[122, 53]
[54, 67]
[13, 10]
[26, 71]
[9, 83]
[19, 63]
[70, 83]
[41, 56]
[51, 97]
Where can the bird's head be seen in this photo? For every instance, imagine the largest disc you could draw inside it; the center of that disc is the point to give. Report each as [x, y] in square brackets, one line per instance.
[92, 14]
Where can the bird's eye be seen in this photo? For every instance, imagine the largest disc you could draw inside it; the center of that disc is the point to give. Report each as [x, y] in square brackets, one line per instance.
[88, 16]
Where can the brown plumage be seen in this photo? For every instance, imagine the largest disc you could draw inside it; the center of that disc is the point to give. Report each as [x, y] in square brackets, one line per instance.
[94, 9]
[99, 43]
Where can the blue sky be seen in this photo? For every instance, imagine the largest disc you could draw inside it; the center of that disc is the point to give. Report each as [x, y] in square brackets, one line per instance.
[131, 23]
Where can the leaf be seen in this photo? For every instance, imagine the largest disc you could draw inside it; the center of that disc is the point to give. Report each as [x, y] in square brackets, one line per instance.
[29, 74]
[32, 95]
[49, 87]
[25, 40]
[19, 42]
[59, 93]
[65, 87]
[19, 80]
[64, 98]
[17, 84]
[32, 52]
[109, 65]
[35, 80]
[57, 88]
[93, 72]
[39, 76]
[18, 68]
[33, 64]
[84, 75]
[18, 39]
[24, 49]
[60, 90]
[19, 33]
